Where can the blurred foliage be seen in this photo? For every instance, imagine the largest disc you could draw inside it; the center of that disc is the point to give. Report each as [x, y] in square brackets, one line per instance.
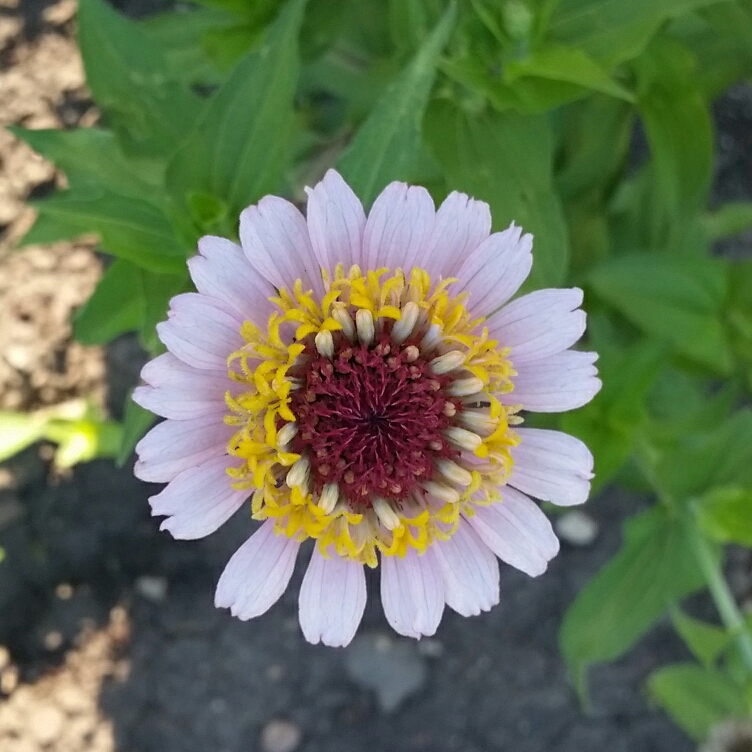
[532, 106]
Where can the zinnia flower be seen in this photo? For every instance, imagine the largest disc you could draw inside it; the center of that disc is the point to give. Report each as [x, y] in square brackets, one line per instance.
[358, 379]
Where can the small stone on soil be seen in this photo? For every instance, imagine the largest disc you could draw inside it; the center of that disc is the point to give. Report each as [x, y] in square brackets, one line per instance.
[280, 736]
[392, 668]
[576, 528]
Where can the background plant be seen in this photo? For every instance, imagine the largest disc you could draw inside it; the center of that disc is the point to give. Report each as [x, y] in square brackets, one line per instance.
[532, 107]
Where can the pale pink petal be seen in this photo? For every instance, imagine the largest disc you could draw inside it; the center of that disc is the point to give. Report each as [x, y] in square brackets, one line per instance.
[494, 271]
[336, 222]
[461, 225]
[223, 272]
[552, 466]
[198, 500]
[539, 324]
[177, 445]
[412, 593]
[469, 570]
[517, 531]
[398, 227]
[560, 382]
[257, 574]
[179, 391]
[332, 599]
[201, 331]
[275, 239]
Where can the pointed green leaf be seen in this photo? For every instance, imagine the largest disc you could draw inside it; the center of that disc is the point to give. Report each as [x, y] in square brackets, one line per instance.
[695, 697]
[706, 641]
[507, 160]
[136, 423]
[128, 227]
[387, 145]
[131, 81]
[696, 463]
[91, 156]
[725, 514]
[116, 306]
[654, 568]
[568, 65]
[675, 299]
[238, 151]
[678, 128]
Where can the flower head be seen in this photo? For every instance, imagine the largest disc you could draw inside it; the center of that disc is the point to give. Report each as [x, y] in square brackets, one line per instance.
[362, 381]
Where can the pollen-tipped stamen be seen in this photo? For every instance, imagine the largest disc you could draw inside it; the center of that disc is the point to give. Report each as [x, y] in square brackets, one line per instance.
[404, 327]
[442, 491]
[453, 472]
[465, 387]
[328, 497]
[447, 362]
[386, 514]
[365, 327]
[325, 343]
[462, 438]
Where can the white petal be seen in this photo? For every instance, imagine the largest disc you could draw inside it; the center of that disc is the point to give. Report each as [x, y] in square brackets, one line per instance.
[561, 382]
[198, 500]
[332, 599]
[461, 225]
[274, 236]
[552, 466]
[257, 574]
[517, 531]
[398, 227]
[470, 571]
[412, 593]
[336, 222]
[177, 445]
[540, 324]
[179, 391]
[201, 331]
[494, 271]
[223, 272]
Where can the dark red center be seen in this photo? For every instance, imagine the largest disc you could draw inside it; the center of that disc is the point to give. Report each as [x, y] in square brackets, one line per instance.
[371, 418]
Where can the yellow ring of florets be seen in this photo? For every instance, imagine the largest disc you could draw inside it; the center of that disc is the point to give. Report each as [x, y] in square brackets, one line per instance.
[261, 365]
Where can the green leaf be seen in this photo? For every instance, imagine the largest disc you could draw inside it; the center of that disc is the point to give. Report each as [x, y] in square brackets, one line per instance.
[238, 150]
[505, 159]
[678, 128]
[136, 423]
[697, 462]
[695, 697]
[613, 31]
[706, 641]
[18, 431]
[568, 65]
[388, 144]
[725, 514]
[609, 424]
[655, 567]
[130, 79]
[158, 289]
[739, 315]
[116, 306]
[180, 35]
[731, 219]
[129, 228]
[595, 137]
[677, 300]
[91, 156]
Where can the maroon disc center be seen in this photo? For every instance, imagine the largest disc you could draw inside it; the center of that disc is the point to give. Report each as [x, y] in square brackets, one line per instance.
[371, 418]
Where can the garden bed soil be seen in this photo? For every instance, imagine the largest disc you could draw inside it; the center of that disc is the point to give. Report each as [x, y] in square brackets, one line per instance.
[109, 638]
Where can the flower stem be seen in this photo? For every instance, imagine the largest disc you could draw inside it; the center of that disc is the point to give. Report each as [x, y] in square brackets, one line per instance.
[729, 611]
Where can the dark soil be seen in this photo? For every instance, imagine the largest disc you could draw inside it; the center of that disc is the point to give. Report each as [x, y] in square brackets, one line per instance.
[113, 643]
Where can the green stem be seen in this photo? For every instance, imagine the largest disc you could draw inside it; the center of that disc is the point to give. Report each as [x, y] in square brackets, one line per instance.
[724, 601]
